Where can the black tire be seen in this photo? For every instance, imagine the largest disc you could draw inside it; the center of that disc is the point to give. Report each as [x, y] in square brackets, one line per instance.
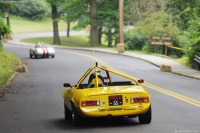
[53, 56]
[76, 118]
[68, 114]
[145, 118]
[31, 56]
[35, 56]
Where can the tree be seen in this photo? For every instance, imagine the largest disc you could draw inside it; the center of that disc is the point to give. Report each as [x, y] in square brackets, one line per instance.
[80, 13]
[107, 19]
[31, 9]
[94, 28]
[136, 10]
[54, 13]
[75, 11]
[184, 12]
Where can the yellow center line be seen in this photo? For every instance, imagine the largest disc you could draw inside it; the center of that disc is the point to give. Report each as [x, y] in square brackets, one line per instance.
[146, 84]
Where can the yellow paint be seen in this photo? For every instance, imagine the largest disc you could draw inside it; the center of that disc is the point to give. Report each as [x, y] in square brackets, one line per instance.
[177, 48]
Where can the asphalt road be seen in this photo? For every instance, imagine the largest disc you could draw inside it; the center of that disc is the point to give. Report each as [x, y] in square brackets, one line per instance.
[34, 102]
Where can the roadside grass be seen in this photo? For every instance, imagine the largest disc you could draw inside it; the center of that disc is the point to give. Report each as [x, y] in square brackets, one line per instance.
[22, 25]
[8, 64]
[72, 41]
[183, 60]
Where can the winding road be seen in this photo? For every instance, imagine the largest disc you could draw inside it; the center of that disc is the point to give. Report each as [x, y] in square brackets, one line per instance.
[34, 103]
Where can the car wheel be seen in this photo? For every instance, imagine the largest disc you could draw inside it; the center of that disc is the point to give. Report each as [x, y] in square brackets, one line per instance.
[53, 56]
[35, 56]
[68, 114]
[145, 118]
[76, 118]
[31, 56]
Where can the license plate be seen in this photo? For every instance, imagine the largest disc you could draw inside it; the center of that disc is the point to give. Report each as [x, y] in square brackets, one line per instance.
[115, 100]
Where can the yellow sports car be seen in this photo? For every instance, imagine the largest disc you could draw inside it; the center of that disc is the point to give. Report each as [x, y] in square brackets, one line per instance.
[103, 92]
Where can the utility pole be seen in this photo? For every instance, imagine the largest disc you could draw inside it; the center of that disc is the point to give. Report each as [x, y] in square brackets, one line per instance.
[120, 45]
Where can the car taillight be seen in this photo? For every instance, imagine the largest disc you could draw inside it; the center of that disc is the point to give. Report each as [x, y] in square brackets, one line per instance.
[139, 100]
[90, 103]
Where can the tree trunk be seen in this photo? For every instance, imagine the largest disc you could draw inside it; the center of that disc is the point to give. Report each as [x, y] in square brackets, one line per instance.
[68, 28]
[109, 38]
[94, 29]
[100, 35]
[116, 37]
[56, 38]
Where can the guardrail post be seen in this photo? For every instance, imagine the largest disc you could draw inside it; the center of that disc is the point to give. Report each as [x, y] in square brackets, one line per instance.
[197, 62]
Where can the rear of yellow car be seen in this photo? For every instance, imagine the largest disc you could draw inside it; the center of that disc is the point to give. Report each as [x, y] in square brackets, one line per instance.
[109, 98]
[116, 102]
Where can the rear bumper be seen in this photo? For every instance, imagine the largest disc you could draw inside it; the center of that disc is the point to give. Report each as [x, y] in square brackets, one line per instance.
[41, 54]
[118, 111]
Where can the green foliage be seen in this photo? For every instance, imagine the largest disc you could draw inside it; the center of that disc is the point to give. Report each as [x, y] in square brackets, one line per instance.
[75, 11]
[32, 9]
[5, 6]
[184, 12]
[193, 35]
[136, 10]
[160, 24]
[108, 19]
[156, 24]
[135, 40]
[4, 30]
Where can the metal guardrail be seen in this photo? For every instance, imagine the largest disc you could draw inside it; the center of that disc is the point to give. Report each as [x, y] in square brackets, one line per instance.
[197, 59]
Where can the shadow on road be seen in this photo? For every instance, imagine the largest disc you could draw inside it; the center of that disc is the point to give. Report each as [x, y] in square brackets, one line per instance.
[95, 123]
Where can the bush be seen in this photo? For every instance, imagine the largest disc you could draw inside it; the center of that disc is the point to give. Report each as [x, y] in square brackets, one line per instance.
[4, 30]
[148, 48]
[193, 33]
[194, 50]
[135, 40]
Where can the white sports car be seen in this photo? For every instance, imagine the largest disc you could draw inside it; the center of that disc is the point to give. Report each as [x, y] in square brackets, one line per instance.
[42, 50]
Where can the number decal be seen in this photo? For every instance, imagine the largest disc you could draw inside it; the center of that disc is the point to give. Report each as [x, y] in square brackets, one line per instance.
[115, 102]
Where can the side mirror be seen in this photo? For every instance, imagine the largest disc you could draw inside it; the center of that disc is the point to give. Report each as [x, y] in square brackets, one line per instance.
[140, 81]
[66, 85]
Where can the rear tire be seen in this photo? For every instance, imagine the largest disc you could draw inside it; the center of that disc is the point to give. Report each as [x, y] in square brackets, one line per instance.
[35, 56]
[76, 118]
[68, 114]
[31, 56]
[145, 118]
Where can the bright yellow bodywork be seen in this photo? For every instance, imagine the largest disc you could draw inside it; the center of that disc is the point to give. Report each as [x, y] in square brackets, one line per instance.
[112, 99]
